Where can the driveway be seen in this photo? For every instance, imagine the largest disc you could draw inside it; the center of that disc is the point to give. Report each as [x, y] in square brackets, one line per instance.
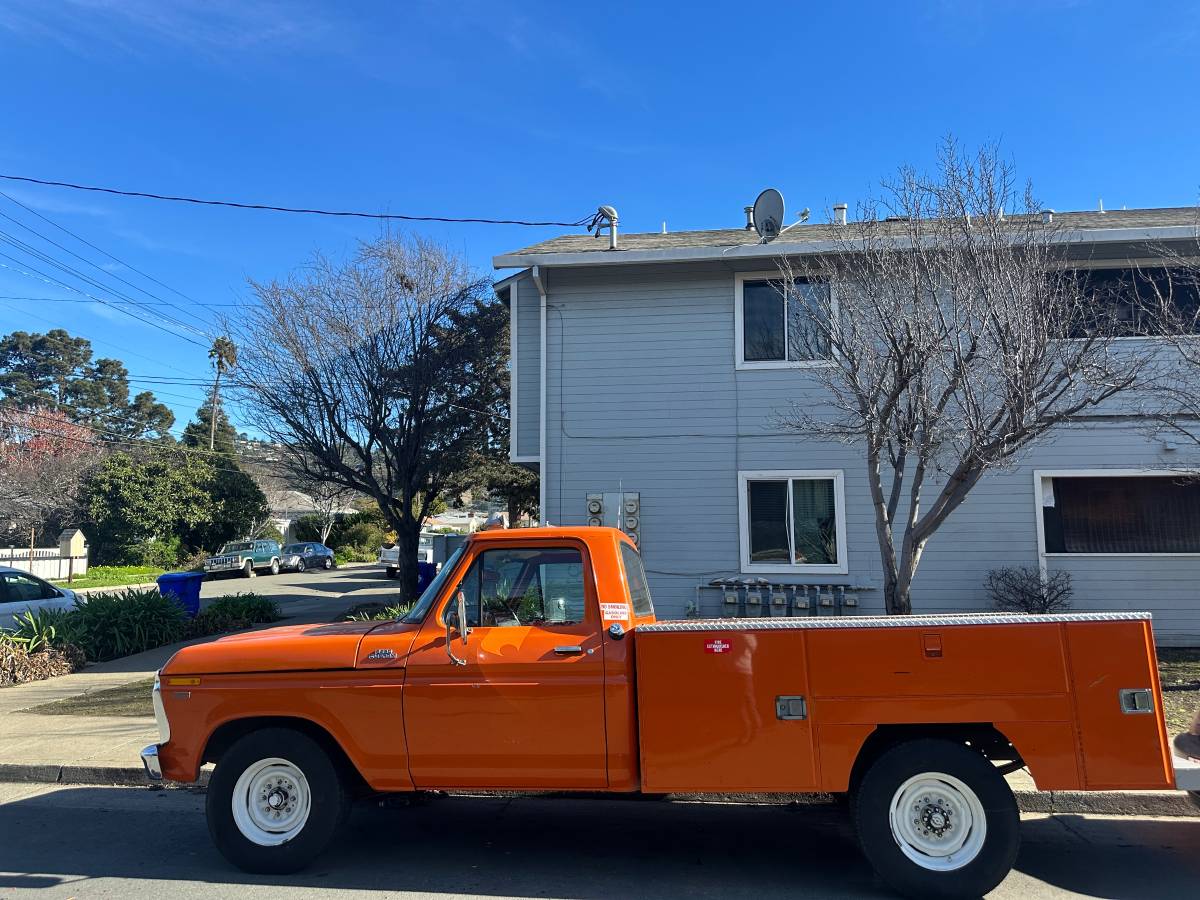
[83, 842]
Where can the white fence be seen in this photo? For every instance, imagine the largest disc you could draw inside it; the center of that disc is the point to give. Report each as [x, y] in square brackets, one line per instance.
[47, 562]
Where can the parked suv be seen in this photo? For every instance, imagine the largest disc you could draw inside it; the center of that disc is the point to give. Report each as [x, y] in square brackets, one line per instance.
[307, 555]
[244, 556]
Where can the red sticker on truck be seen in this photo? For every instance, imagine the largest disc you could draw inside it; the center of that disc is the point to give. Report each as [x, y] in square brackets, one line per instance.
[718, 645]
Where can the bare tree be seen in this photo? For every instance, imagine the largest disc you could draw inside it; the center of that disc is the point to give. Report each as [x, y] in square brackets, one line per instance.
[955, 333]
[329, 499]
[44, 458]
[363, 372]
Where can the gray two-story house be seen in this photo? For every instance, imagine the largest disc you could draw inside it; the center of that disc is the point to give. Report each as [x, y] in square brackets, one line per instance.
[641, 401]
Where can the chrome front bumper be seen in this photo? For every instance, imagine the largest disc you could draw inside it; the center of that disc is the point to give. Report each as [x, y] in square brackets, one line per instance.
[150, 761]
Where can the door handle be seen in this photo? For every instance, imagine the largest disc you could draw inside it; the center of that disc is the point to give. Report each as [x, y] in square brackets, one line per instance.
[565, 651]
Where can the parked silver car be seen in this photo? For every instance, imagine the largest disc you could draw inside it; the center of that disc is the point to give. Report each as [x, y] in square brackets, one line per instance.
[20, 591]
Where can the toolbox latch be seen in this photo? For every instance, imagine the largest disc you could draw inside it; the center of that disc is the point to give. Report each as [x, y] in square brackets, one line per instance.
[791, 707]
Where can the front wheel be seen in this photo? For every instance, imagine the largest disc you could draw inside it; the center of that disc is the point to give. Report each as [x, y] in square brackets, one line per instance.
[248, 569]
[936, 819]
[391, 572]
[275, 801]
[300, 566]
[328, 563]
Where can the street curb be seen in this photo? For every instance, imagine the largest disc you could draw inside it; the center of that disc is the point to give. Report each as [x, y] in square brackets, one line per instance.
[1105, 803]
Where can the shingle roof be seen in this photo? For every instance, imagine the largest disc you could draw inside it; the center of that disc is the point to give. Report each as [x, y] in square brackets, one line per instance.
[801, 234]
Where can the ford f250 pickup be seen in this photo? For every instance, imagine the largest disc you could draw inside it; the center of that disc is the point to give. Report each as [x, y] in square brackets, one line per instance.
[534, 661]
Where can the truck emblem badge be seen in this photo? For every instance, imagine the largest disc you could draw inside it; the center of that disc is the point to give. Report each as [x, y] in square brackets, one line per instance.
[718, 645]
[381, 654]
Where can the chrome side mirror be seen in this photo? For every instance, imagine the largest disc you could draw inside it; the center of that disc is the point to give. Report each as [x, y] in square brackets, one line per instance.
[458, 617]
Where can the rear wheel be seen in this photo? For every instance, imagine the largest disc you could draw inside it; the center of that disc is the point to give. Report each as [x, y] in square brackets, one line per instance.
[274, 567]
[275, 801]
[391, 572]
[936, 819]
[248, 569]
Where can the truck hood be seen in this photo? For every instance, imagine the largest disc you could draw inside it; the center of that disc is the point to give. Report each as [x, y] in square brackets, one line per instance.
[291, 648]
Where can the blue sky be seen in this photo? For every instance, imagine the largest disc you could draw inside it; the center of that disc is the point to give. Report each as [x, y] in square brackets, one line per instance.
[675, 112]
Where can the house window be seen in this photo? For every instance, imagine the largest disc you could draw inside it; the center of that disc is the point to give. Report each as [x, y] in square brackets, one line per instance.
[793, 522]
[1135, 297]
[777, 327]
[1125, 514]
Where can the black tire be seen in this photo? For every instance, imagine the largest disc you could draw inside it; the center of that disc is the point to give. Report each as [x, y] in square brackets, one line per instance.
[883, 782]
[328, 563]
[274, 566]
[330, 801]
[300, 566]
[248, 569]
[391, 572]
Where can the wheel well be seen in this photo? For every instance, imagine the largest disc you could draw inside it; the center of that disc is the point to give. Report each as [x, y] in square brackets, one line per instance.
[226, 735]
[982, 736]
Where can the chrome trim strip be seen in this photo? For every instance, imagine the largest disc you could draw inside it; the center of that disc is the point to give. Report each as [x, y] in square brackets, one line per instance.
[160, 712]
[888, 621]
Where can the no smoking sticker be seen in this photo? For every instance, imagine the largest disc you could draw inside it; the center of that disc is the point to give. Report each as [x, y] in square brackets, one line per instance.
[614, 612]
[718, 645]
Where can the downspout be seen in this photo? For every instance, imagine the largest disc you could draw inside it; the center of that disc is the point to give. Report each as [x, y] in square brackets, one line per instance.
[540, 284]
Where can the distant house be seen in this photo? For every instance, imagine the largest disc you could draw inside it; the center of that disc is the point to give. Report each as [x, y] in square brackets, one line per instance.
[287, 506]
[645, 380]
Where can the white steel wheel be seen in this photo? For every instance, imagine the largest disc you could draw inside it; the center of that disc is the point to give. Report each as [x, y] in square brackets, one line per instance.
[938, 821]
[271, 802]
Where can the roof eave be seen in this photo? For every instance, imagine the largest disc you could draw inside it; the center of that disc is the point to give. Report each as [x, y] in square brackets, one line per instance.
[807, 248]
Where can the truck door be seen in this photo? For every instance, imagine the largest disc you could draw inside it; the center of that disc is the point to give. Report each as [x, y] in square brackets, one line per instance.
[525, 707]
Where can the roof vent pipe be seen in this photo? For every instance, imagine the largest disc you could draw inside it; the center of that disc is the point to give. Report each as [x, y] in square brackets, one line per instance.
[749, 211]
[605, 217]
[839, 213]
[1047, 216]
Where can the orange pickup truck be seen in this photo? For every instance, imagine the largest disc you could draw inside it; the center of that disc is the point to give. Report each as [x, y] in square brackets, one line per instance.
[534, 662]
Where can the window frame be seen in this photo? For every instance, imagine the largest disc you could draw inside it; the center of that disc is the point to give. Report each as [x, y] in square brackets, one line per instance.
[739, 327]
[841, 567]
[1040, 476]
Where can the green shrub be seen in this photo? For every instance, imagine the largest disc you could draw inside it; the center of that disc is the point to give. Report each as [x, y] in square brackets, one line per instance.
[376, 612]
[254, 608]
[350, 553]
[37, 630]
[163, 553]
[110, 625]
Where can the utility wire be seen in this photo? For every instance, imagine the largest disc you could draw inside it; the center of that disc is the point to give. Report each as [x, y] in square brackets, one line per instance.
[144, 302]
[104, 271]
[66, 269]
[50, 279]
[115, 259]
[579, 223]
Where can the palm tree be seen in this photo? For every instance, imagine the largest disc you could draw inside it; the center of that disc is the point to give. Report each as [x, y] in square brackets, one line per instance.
[224, 358]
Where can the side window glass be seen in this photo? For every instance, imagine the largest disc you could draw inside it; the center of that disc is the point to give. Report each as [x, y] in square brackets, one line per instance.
[510, 588]
[635, 574]
[21, 588]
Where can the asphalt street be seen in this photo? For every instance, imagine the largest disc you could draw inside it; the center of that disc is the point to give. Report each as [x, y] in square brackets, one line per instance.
[311, 596]
[63, 842]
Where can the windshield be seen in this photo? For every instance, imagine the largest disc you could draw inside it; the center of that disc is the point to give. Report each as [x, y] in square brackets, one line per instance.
[421, 607]
[241, 545]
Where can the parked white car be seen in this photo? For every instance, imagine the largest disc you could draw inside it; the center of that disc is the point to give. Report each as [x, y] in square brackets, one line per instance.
[20, 591]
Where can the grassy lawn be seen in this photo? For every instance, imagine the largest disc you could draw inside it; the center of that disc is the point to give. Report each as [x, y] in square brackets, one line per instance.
[127, 700]
[113, 576]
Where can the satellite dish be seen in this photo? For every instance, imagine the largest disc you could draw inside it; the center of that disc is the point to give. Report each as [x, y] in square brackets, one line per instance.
[768, 214]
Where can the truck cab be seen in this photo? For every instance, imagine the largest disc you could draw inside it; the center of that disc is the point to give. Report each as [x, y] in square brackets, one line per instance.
[534, 661]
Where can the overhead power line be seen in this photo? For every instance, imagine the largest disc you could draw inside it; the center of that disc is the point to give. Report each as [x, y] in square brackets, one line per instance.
[579, 223]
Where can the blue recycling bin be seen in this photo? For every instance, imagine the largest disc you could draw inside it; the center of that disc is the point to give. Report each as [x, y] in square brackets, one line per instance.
[426, 572]
[184, 587]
